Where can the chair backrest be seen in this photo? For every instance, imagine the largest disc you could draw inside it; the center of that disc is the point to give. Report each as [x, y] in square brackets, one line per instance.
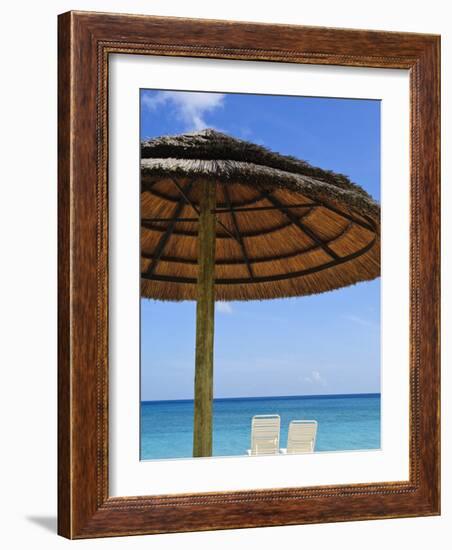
[302, 436]
[265, 434]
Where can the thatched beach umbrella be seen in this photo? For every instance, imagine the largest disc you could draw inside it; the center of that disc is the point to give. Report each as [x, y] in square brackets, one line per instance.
[224, 219]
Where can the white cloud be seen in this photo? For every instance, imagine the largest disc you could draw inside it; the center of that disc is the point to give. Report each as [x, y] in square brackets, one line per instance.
[190, 107]
[315, 378]
[360, 321]
[224, 307]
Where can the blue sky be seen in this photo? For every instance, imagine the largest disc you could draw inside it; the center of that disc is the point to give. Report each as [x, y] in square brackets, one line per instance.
[324, 344]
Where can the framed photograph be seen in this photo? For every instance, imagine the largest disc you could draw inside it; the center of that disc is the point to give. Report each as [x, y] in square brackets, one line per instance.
[248, 275]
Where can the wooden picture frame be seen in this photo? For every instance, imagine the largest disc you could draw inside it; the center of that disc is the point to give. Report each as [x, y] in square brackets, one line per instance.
[85, 508]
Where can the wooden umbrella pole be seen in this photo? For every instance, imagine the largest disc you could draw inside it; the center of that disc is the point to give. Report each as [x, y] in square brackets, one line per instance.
[205, 315]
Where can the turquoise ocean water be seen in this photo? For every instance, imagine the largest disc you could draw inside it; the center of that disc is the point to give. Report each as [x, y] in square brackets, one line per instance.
[345, 422]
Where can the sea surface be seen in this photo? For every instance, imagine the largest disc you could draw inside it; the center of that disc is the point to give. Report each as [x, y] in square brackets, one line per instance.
[345, 422]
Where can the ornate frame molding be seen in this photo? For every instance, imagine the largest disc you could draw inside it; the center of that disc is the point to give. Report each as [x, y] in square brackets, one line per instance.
[85, 42]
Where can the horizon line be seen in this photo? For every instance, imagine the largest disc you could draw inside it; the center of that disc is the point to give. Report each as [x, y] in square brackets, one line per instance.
[321, 396]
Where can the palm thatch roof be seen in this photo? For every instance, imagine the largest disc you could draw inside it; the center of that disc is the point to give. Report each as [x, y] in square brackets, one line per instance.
[284, 227]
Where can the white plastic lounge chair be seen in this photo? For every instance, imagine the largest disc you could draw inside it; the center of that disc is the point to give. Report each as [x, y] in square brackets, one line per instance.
[265, 435]
[301, 437]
